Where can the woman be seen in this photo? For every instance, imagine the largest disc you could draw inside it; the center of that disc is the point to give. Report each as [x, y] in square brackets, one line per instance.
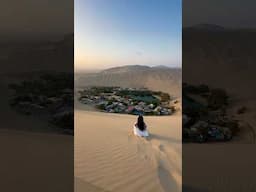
[140, 128]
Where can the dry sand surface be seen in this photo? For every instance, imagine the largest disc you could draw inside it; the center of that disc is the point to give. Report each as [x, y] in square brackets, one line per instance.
[109, 158]
[218, 167]
[36, 161]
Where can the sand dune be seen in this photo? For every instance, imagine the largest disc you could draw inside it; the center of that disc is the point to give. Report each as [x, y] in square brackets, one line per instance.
[36, 161]
[219, 167]
[47, 54]
[159, 79]
[109, 158]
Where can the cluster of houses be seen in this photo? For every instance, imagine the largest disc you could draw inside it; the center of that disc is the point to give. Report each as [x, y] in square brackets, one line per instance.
[114, 103]
[204, 110]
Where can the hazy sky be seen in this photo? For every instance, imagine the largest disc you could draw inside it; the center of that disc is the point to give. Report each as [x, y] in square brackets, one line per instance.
[123, 32]
[36, 18]
[227, 13]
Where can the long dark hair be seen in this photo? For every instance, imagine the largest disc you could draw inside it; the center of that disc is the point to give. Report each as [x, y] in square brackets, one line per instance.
[140, 123]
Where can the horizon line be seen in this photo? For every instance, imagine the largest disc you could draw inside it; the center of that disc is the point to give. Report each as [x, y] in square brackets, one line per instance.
[117, 66]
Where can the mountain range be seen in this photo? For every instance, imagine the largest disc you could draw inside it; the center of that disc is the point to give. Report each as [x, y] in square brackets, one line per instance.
[38, 55]
[157, 78]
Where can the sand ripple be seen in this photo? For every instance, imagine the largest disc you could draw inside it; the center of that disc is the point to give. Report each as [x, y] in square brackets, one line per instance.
[108, 158]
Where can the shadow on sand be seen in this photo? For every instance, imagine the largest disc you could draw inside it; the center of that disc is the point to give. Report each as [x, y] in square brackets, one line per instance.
[167, 181]
[81, 185]
[161, 137]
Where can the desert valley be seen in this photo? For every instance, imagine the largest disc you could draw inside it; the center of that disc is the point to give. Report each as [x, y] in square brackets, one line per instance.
[108, 157]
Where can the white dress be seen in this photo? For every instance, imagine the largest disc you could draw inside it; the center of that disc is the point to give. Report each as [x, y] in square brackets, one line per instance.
[140, 133]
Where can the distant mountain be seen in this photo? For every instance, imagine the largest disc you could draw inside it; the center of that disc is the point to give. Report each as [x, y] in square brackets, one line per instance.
[127, 68]
[38, 55]
[155, 78]
[223, 59]
[161, 67]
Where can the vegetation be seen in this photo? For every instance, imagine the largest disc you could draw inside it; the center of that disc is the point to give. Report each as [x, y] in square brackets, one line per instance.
[49, 96]
[127, 100]
[205, 108]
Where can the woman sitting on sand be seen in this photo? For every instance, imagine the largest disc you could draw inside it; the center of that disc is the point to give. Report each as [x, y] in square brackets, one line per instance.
[140, 128]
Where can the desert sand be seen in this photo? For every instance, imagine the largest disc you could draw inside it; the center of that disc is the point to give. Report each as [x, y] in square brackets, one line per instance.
[36, 161]
[108, 157]
[218, 167]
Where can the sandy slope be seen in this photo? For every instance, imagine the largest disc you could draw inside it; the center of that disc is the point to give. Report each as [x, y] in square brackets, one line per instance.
[109, 158]
[166, 80]
[218, 167]
[36, 161]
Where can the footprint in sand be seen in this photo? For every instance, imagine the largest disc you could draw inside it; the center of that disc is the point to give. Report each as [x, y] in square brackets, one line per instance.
[168, 175]
[154, 150]
[161, 147]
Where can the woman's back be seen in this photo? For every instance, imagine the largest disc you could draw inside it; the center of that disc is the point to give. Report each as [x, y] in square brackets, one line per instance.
[140, 133]
[140, 128]
[140, 123]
